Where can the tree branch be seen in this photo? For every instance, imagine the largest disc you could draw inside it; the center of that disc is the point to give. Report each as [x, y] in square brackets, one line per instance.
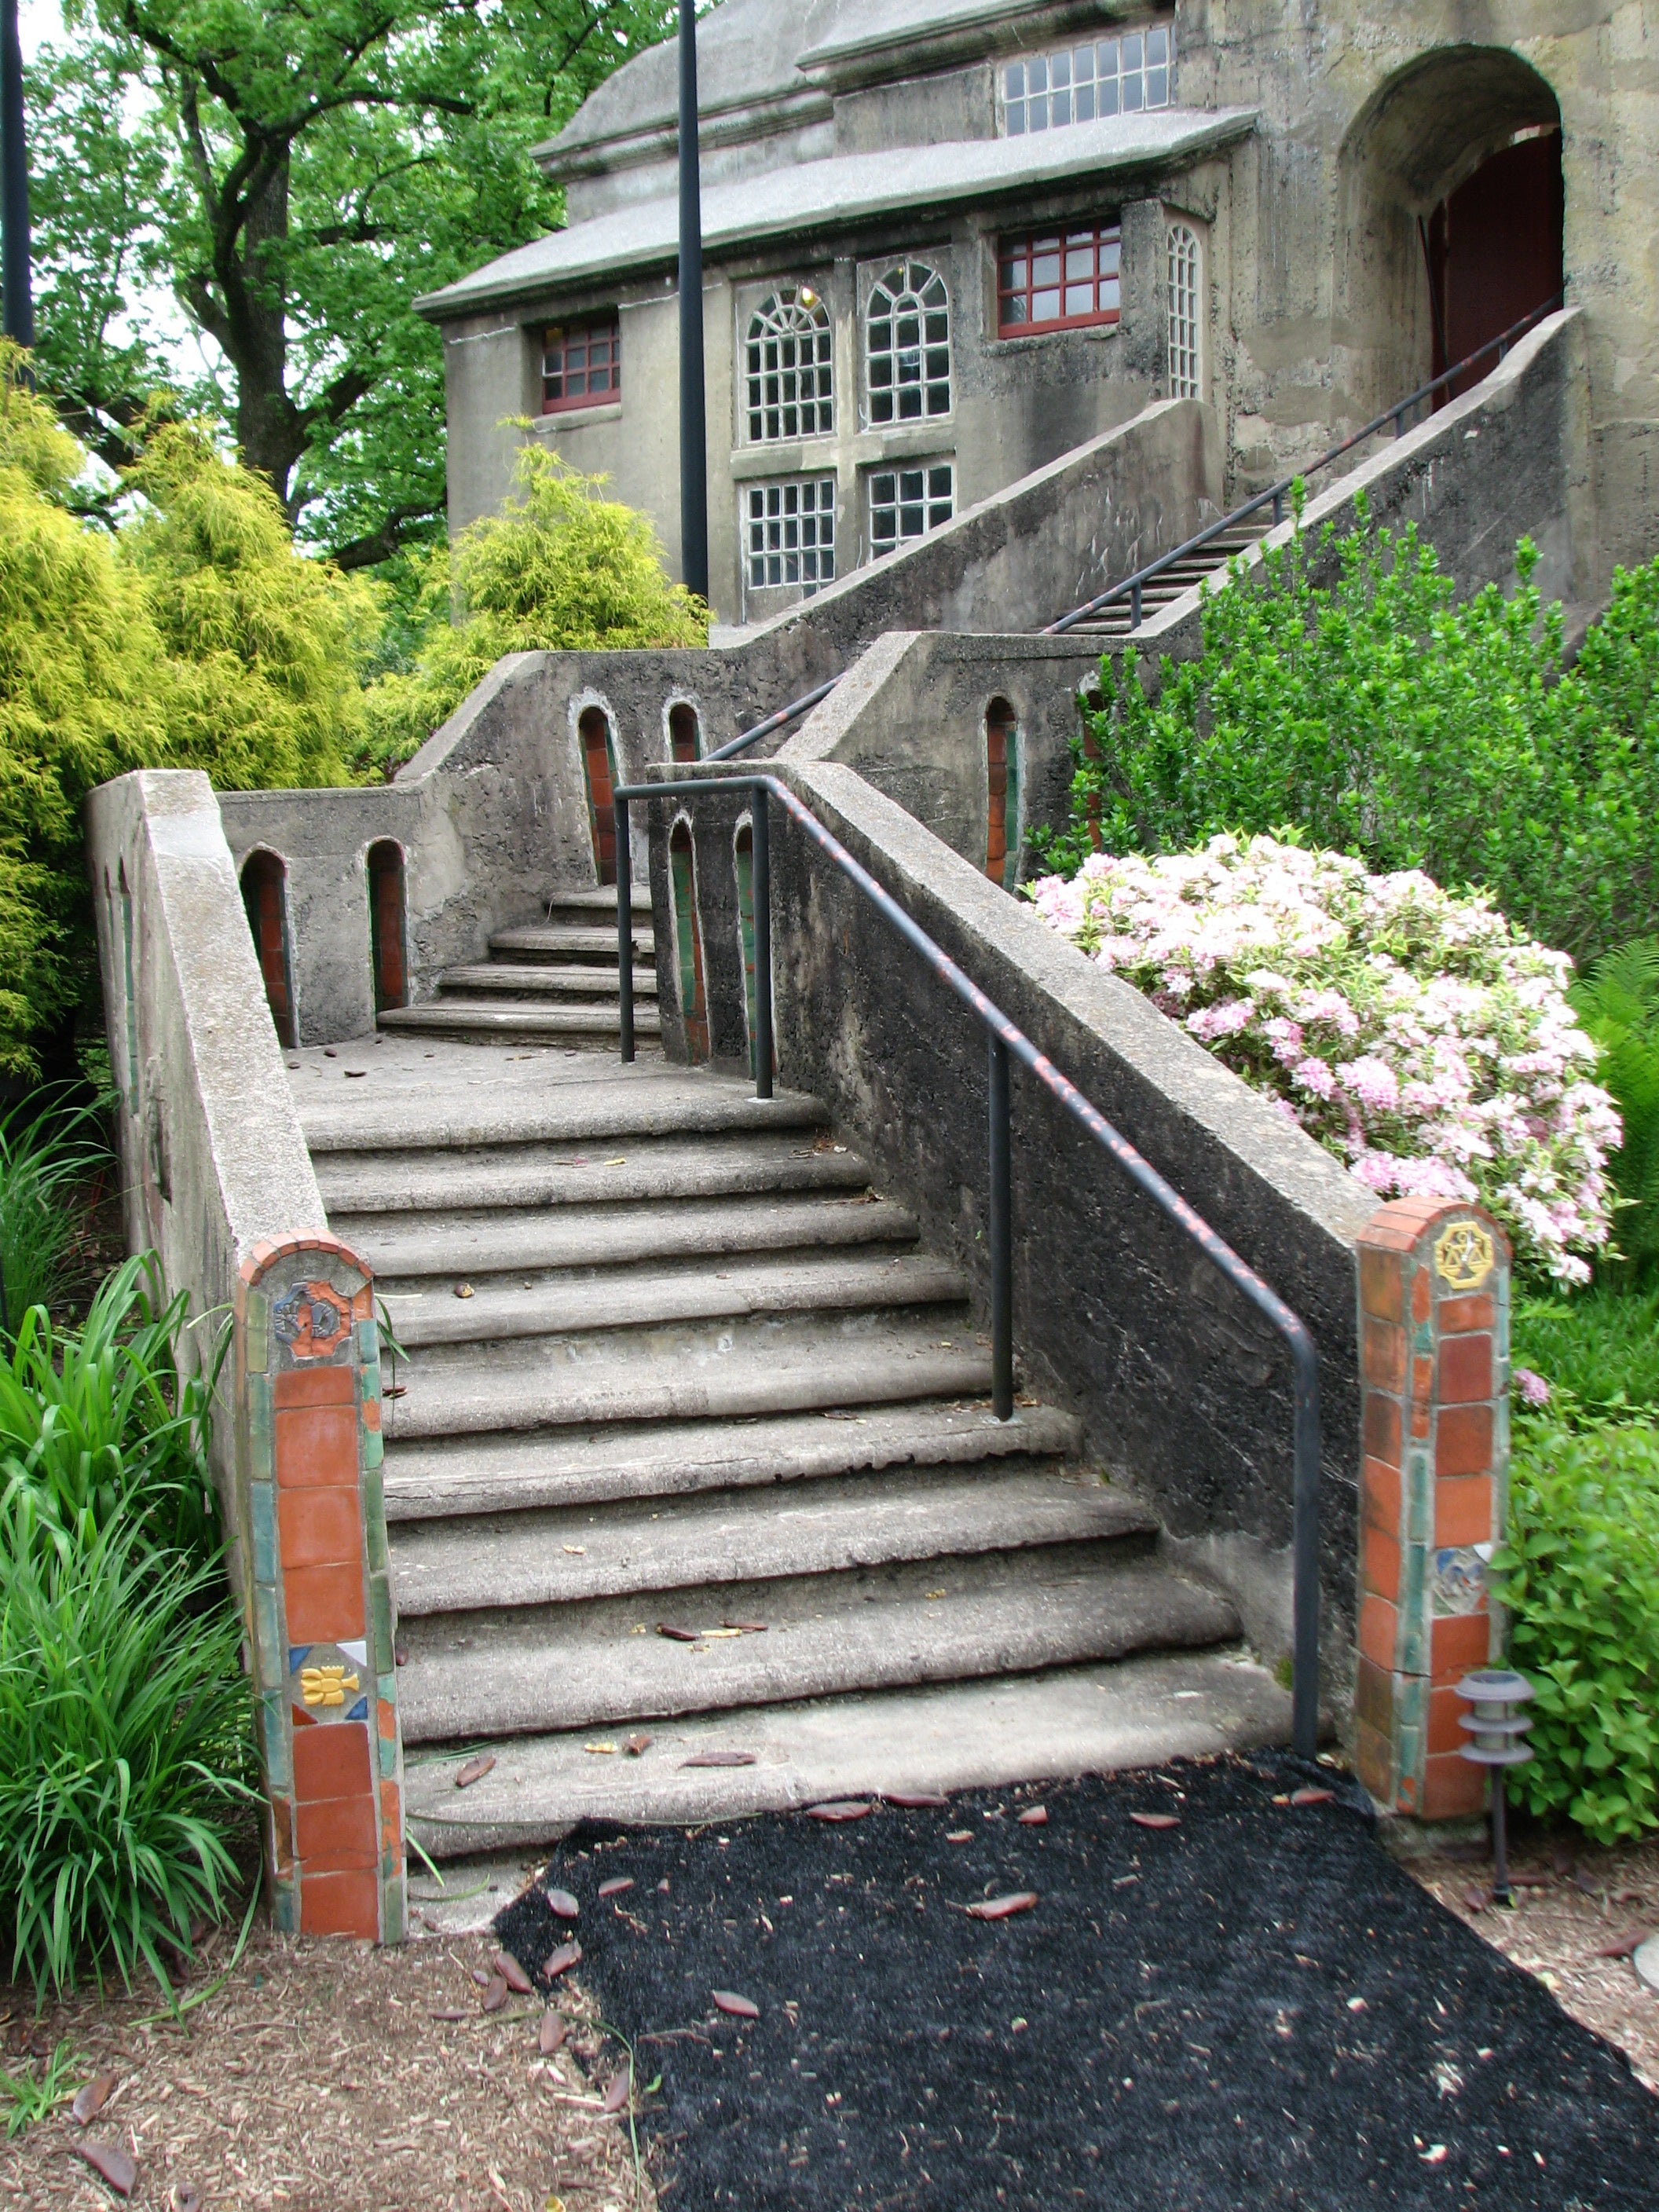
[376, 545]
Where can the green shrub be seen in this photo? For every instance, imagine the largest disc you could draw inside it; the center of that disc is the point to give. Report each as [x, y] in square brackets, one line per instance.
[124, 1726]
[1597, 1349]
[45, 1153]
[1619, 1003]
[1383, 720]
[1580, 1573]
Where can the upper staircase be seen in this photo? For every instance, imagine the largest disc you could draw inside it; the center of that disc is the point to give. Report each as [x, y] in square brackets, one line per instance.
[693, 1444]
[1119, 620]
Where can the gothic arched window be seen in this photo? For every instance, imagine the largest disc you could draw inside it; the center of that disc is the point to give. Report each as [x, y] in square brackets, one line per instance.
[788, 365]
[1185, 329]
[907, 345]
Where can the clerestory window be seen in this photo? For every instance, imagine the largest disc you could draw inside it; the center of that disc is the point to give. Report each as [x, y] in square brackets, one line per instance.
[1078, 84]
[581, 366]
[787, 360]
[907, 345]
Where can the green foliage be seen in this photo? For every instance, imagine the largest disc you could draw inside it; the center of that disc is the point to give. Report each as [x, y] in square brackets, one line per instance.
[560, 567]
[46, 1150]
[1619, 1003]
[1383, 719]
[1580, 1574]
[1598, 1350]
[33, 2097]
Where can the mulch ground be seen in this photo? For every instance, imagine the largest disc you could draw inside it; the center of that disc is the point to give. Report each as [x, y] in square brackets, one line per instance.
[1254, 2006]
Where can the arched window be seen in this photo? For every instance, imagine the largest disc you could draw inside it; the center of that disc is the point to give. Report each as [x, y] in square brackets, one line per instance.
[788, 366]
[684, 733]
[1185, 364]
[385, 923]
[264, 896]
[908, 347]
[600, 770]
[1002, 793]
[688, 941]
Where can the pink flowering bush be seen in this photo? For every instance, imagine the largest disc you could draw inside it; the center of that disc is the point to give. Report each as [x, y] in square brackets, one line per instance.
[1413, 1033]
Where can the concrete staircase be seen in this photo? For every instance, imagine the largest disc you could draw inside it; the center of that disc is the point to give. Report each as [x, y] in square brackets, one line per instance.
[1162, 590]
[675, 1366]
[550, 982]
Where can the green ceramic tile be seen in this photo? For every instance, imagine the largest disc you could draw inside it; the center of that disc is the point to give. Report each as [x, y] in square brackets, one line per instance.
[262, 1523]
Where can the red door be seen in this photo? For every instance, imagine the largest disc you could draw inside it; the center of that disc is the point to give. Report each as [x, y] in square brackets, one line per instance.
[594, 730]
[1495, 252]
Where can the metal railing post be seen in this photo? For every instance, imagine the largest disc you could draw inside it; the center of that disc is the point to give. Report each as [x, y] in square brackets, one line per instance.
[761, 884]
[1304, 1547]
[624, 927]
[1001, 1234]
[1134, 604]
[1279, 509]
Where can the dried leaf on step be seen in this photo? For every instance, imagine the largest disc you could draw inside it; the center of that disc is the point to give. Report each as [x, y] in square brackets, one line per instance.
[475, 1770]
[1156, 1820]
[462, 1289]
[913, 1800]
[636, 1746]
[1477, 1899]
[511, 1972]
[563, 1904]
[112, 2163]
[728, 2001]
[677, 1635]
[481, 1976]
[1034, 1816]
[552, 2034]
[842, 1808]
[1004, 1908]
[720, 1758]
[616, 1886]
[620, 2086]
[1312, 1796]
[92, 2099]
[445, 2012]
[494, 1996]
[568, 1955]
[745, 1627]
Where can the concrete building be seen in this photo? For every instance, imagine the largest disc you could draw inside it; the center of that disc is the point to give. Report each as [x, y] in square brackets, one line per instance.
[947, 240]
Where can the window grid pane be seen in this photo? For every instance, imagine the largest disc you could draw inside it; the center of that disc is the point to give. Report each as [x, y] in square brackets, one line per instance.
[789, 532]
[1183, 313]
[906, 503]
[907, 345]
[787, 361]
[1058, 281]
[1109, 76]
[581, 368]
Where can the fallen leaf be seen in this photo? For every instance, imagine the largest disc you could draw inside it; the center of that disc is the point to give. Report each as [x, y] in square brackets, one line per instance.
[913, 1800]
[475, 1770]
[92, 2099]
[1156, 1820]
[511, 1972]
[563, 1904]
[1034, 1816]
[677, 1635]
[1004, 1908]
[462, 1289]
[1313, 1796]
[568, 1955]
[960, 1836]
[395, 1390]
[552, 2034]
[112, 2163]
[620, 2086]
[745, 1627]
[576, 1550]
[1477, 1899]
[185, 2198]
[350, 1074]
[720, 1758]
[495, 1996]
[1433, 2154]
[445, 2012]
[1622, 1947]
[615, 1886]
[636, 1745]
[728, 2001]
[481, 1976]
[400, 1654]
[841, 1808]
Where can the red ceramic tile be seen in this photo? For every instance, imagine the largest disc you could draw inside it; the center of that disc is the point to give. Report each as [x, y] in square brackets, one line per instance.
[1382, 1427]
[1379, 1625]
[1380, 1291]
[1380, 1559]
[1457, 1315]
[331, 1761]
[1422, 1296]
[1373, 1696]
[315, 1386]
[1465, 1370]
[1375, 1761]
[341, 1904]
[1462, 1510]
[317, 1445]
[1380, 1502]
[324, 1604]
[1453, 1788]
[386, 1719]
[1457, 1644]
[336, 1833]
[320, 1528]
[1444, 1706]
[1463, 1443]
[1382, 1356]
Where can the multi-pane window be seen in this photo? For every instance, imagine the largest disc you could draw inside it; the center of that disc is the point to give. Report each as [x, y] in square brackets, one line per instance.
[787, 361]
[907, 345]
[789, 531]
[907, 503]
[1057, 281]
[581, 366]
[1183, 313]
[1108, 77]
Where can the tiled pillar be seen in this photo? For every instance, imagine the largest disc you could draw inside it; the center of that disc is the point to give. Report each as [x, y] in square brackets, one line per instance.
[311, 1521]
[1434, 1315]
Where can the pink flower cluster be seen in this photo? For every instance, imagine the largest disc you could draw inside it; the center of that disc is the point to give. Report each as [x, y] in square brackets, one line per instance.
[1413, 1033]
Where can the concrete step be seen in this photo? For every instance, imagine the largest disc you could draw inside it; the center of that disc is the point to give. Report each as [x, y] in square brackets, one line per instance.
[603, 1100]
[543, 941]
[513, 1472]
[598, 898]
[985, 1734]
[529, 980]
[532, 1669]
[517, 1021]
[405, 1248]
[840, 1282]
[653, 1171]
[696, 1372]
[675, 1545]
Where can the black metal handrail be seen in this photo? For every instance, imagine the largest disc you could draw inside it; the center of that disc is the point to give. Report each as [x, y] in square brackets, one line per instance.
[1131, 588]
[1005, 1038]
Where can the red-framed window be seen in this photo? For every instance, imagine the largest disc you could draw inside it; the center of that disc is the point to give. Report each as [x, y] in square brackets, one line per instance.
[1057, 280]
[581, 366]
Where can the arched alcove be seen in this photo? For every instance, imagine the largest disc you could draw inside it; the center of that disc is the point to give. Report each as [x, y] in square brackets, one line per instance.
[265, 896]
[685, 731]
[743, 858]
[688, 941]
[387, 922]
[1002, 793]
[599, 747]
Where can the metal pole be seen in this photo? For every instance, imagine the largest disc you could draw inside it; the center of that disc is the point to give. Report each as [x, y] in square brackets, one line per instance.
[1305, 1543]
[624, 927]
[1500, 1842]
[1002, 1240]
[16, 292]
[760, 879]
[693, 459]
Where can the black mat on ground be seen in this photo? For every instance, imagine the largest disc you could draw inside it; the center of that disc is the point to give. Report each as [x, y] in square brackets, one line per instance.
[1254, 2007]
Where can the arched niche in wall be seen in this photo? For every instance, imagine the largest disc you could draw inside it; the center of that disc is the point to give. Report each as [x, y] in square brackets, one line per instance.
[743, 859]
[1002, 766]
[599, 747]
[387, 923]
[688, 940]
[685, 731]
[265, 896]
[1452, 213]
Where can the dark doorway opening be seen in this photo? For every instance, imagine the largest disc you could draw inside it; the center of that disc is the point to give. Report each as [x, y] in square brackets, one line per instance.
[688, 940]
[1494, 249]
[1002, 793]
[264, 896]
[685, 736]
[386, 924]
[599, 767]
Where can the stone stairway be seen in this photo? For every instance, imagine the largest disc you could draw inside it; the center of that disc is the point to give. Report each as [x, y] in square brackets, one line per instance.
[1162, 590]
[553, 981]
[691, 1444]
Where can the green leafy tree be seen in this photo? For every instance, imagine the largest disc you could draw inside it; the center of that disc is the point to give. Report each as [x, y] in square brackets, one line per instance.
[1619, 1003]
[296, 177]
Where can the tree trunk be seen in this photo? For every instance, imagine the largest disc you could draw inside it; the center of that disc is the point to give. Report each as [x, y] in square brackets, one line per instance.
[269, 428]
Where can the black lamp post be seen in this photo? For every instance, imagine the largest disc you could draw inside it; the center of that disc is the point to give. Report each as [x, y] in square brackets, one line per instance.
[693, 462]
[16, 299]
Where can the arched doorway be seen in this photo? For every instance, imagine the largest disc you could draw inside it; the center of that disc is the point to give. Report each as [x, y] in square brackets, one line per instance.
[599, 773]
[688, 941]
[1002, 793]
[386, 923]
[1495, 248]
[685, 731]
[265, 896]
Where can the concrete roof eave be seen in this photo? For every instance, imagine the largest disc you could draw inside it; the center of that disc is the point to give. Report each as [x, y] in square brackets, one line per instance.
[846, 189]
